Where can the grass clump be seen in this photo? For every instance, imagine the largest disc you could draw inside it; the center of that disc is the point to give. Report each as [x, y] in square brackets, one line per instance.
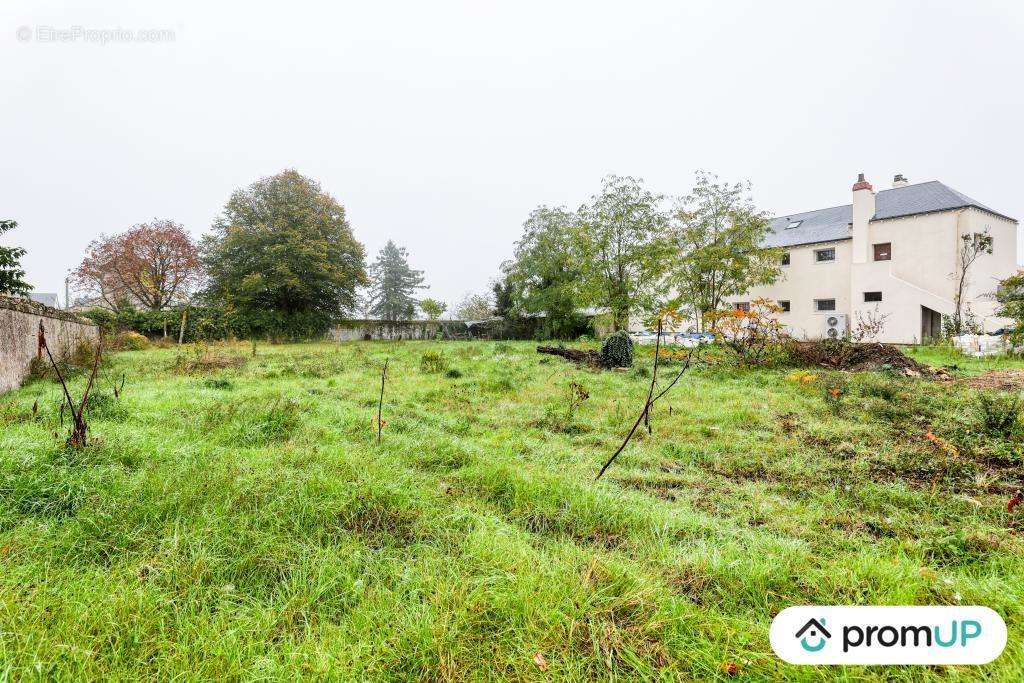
[433, 362]
[998, 412]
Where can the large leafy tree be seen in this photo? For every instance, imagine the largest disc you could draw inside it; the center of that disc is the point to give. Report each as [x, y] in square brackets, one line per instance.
[475, 307]
[393, 283]
[152, 265]
[433, 308]
[1010, 295]
[545, 271]
[11, 273]
[621, 241]
[282, 256]
[718, 251]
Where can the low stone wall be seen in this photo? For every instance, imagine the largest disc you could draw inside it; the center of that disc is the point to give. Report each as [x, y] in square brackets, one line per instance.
[351, 330]
[19, 336]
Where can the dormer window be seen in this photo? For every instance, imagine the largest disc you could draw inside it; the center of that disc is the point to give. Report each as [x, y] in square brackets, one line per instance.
[793, 224]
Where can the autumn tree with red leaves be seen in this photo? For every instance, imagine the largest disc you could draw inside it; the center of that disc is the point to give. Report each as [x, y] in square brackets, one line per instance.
[152, 265]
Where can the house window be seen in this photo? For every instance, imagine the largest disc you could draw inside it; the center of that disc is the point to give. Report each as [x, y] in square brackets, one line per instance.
[883, 252]
[824, 255]
[743, 306]
[785, 259]
[872, 296]
[794, 224]
[823, 305]
[784, 305]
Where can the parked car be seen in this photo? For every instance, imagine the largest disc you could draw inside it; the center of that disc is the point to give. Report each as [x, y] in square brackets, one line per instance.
[645, 337]
[691, 340]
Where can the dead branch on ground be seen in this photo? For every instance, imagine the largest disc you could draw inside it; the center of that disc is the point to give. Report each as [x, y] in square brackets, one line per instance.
[583, 357]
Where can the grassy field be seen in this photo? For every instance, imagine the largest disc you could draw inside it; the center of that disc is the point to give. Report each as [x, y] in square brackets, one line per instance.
[234, 517]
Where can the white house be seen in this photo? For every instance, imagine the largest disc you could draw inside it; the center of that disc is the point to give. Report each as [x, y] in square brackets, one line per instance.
[893, 253]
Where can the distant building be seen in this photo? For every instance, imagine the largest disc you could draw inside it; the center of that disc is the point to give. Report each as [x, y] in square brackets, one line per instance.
[891, 253]
[45, 298]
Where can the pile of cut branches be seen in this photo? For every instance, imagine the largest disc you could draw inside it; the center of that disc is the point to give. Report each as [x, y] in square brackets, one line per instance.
[581, 356]
[858, 357]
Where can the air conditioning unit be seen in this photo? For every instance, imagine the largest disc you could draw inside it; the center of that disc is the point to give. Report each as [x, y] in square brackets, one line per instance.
[836, 325]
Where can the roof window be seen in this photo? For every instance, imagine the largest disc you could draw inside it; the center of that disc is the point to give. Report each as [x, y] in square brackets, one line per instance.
[794, 224]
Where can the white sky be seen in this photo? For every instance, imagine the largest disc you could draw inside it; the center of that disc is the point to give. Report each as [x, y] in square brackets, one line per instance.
[442, 124]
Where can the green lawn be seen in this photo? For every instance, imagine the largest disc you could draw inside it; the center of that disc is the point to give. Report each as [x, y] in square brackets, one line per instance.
[241, 522]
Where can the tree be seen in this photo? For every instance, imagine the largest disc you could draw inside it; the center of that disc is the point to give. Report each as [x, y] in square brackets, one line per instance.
[392, 284]
[621, 243]
[11, 273]
[972, 246]
[475, 307]
[433, 308]
[1010, 295]
[151, 265]
[505, 296]
[544, 273]
[718, 246]
[282, 256]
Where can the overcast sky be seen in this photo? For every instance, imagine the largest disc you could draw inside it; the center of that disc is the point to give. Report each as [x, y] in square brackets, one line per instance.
[442, 124]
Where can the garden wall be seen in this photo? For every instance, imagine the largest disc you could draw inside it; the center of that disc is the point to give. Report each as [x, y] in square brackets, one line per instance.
[403, 329]
[19, 336]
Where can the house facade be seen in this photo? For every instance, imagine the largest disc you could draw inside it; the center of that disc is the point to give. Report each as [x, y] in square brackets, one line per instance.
[891, 255]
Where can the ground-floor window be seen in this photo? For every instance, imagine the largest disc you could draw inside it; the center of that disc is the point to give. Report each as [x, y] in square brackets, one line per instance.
[784, 305]
[872, 296]
[742, 306]
[824, 304]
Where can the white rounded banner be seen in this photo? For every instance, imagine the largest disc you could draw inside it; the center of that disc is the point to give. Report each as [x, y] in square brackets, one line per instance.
[888, 635]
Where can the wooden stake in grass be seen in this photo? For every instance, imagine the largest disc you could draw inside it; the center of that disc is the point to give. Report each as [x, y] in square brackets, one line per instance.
[380, 403]
[651, 398]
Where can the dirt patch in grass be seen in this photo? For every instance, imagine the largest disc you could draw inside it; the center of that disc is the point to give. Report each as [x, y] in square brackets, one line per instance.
[661, 487]
[1002, 380]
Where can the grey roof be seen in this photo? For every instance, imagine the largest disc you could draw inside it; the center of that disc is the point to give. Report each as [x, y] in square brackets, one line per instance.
[823, 225]
[826, 225]
[45, 298]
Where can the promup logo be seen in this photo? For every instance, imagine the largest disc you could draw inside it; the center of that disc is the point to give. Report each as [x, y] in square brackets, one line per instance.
[888, 635]
[817, 630]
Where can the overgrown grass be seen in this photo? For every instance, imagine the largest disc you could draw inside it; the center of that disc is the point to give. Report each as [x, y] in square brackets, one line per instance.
[233, 517]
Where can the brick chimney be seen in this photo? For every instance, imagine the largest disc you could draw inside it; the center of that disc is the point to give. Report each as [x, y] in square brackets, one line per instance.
[899, 180]
[863, 212]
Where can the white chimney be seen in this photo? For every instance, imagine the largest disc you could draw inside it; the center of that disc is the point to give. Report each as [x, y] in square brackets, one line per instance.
[863, 212]
[899, 180]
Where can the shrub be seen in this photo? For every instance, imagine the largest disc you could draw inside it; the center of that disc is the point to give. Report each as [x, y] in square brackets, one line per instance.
[453, 373]
[998, 412]
[433, 362]
[70, 364]
[756, 335]
[617, 350]
[131, 341]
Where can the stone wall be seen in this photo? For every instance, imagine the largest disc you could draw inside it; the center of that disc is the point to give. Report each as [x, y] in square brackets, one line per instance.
[19, 336]
[351, 330]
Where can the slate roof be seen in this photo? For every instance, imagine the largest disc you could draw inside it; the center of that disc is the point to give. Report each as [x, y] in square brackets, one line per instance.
[826, 225]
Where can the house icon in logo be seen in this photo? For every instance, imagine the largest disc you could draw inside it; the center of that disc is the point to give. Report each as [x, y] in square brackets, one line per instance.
[815, 629]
